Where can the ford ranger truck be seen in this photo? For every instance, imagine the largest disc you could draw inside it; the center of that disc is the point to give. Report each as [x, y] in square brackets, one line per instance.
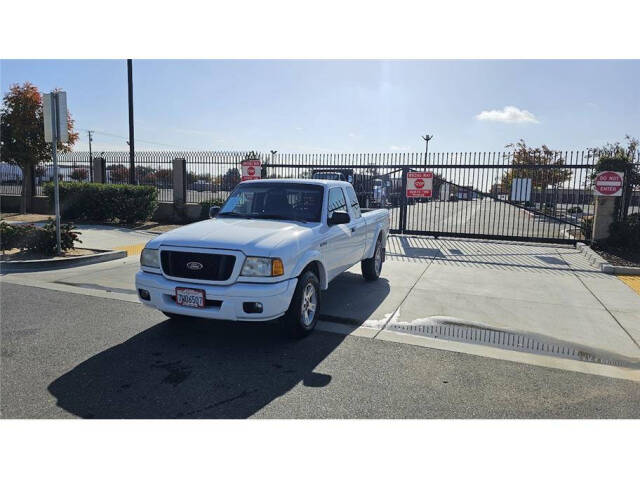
[265, 254]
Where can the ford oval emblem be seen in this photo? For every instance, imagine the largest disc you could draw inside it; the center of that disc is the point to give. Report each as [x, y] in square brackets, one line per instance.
[194, 265]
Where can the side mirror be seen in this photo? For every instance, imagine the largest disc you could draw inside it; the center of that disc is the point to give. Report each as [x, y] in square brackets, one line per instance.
[339, 218]
[213, 211]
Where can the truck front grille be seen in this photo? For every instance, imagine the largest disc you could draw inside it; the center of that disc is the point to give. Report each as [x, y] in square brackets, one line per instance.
[208, 267]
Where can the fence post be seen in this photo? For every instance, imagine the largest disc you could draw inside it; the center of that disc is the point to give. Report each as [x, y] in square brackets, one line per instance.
[99, 166]
[403, 201]
[603, 217]
[179, 182]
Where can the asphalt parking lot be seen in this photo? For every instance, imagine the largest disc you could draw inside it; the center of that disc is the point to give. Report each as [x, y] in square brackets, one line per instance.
[484, 217]
[76, 342]
[68, 355]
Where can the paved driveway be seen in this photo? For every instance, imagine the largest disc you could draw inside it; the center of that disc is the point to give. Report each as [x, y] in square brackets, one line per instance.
[547, 295]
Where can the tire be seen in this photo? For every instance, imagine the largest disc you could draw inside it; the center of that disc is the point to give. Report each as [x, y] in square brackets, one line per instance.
[299, 320]
[372, 267]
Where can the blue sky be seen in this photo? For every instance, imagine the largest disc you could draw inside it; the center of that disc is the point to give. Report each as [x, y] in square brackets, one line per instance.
[344, 106]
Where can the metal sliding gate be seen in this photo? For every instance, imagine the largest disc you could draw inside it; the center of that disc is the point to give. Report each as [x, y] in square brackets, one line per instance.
[478, 195]
[541, 196]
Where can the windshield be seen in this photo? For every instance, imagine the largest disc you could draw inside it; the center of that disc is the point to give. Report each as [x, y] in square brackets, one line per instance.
[275, 201]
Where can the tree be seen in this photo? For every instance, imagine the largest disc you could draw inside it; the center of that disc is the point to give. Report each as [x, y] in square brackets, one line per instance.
[537, 158]
[22, 135]
[79, 174]
[119, 173]
[165, 176]
[230, 179]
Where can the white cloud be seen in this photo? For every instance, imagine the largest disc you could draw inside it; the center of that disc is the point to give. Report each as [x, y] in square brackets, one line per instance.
[352, 135]
[509, 114]
[398, 148]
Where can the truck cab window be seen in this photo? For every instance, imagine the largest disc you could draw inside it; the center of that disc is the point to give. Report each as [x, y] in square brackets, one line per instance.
[336, 202]
[353, 200]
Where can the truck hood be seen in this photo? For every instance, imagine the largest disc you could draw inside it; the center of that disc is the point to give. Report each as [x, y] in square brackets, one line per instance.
[253, 237]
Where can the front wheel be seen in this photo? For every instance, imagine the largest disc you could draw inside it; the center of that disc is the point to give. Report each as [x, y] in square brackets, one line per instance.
[372, 267]
[302, 315]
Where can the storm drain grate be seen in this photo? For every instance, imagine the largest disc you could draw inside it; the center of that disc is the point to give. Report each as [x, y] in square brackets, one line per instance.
[507, 340]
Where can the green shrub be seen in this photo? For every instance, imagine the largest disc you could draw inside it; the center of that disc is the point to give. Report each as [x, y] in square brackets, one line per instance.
[104, 202]
[10, 235]
[206, 205]
[625, 234]
[39, 240]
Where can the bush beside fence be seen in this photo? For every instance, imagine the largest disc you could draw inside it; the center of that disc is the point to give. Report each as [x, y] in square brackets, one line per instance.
[39, 240]
[104, 202]
[626, 233]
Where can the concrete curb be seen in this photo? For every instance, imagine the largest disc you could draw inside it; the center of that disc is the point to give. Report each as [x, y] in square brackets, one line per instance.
[46, 264]
[595, 259]
[627, 270]
[599, 262]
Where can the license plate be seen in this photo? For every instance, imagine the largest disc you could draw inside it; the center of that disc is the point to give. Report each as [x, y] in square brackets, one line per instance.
[193, 298]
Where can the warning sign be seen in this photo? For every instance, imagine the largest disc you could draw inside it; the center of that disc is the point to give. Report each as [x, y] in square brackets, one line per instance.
[609, 183]
[419, 184]
[251, 170]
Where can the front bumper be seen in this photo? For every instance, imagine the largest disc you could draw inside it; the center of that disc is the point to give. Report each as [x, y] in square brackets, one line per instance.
[275, 298]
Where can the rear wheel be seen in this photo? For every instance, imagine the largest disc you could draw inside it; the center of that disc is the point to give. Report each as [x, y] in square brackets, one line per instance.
[303, 312]
[372, 267]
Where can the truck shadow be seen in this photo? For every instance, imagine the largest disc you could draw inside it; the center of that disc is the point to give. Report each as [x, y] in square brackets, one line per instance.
[194, 369]
[352, 300]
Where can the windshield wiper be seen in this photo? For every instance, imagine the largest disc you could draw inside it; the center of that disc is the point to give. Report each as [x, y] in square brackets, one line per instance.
[233, 214]
[278, 217]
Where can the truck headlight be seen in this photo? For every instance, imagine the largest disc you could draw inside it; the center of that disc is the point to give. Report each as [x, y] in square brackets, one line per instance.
[150, 258]
[255, 266]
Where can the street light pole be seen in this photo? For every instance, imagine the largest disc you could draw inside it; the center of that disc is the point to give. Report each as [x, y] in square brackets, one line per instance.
[426, 138]
[90, 157]
[273, 155]
[132, 164]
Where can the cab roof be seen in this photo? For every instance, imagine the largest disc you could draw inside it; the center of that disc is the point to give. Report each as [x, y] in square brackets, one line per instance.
[327, 183]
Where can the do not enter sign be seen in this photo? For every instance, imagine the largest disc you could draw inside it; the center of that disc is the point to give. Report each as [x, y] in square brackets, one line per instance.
[419, 184]
[609, 183]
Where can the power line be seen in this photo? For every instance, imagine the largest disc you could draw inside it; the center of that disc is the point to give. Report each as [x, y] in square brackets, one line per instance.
[105, 133]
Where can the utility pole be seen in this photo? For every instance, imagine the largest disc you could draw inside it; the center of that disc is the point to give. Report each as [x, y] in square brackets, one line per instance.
[426, 138]
[132, 163]
[90, 157]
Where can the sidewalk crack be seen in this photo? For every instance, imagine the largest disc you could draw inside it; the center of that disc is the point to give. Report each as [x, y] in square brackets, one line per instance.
[395, 311]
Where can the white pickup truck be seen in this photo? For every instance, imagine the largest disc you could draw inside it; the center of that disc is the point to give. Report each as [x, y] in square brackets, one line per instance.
[265, 254]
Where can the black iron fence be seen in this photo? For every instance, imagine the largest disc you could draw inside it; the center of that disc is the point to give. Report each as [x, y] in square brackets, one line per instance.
[497, 195]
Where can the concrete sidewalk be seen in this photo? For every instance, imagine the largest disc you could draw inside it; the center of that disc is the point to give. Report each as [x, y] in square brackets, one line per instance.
[97, 236]
[548, 293]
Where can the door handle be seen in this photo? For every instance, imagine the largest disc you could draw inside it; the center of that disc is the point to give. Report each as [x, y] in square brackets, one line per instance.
[353, 229]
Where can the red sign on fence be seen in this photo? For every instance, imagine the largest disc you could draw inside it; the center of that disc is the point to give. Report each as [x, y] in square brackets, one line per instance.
[251, 170]
[609, 183]
[419, 184]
